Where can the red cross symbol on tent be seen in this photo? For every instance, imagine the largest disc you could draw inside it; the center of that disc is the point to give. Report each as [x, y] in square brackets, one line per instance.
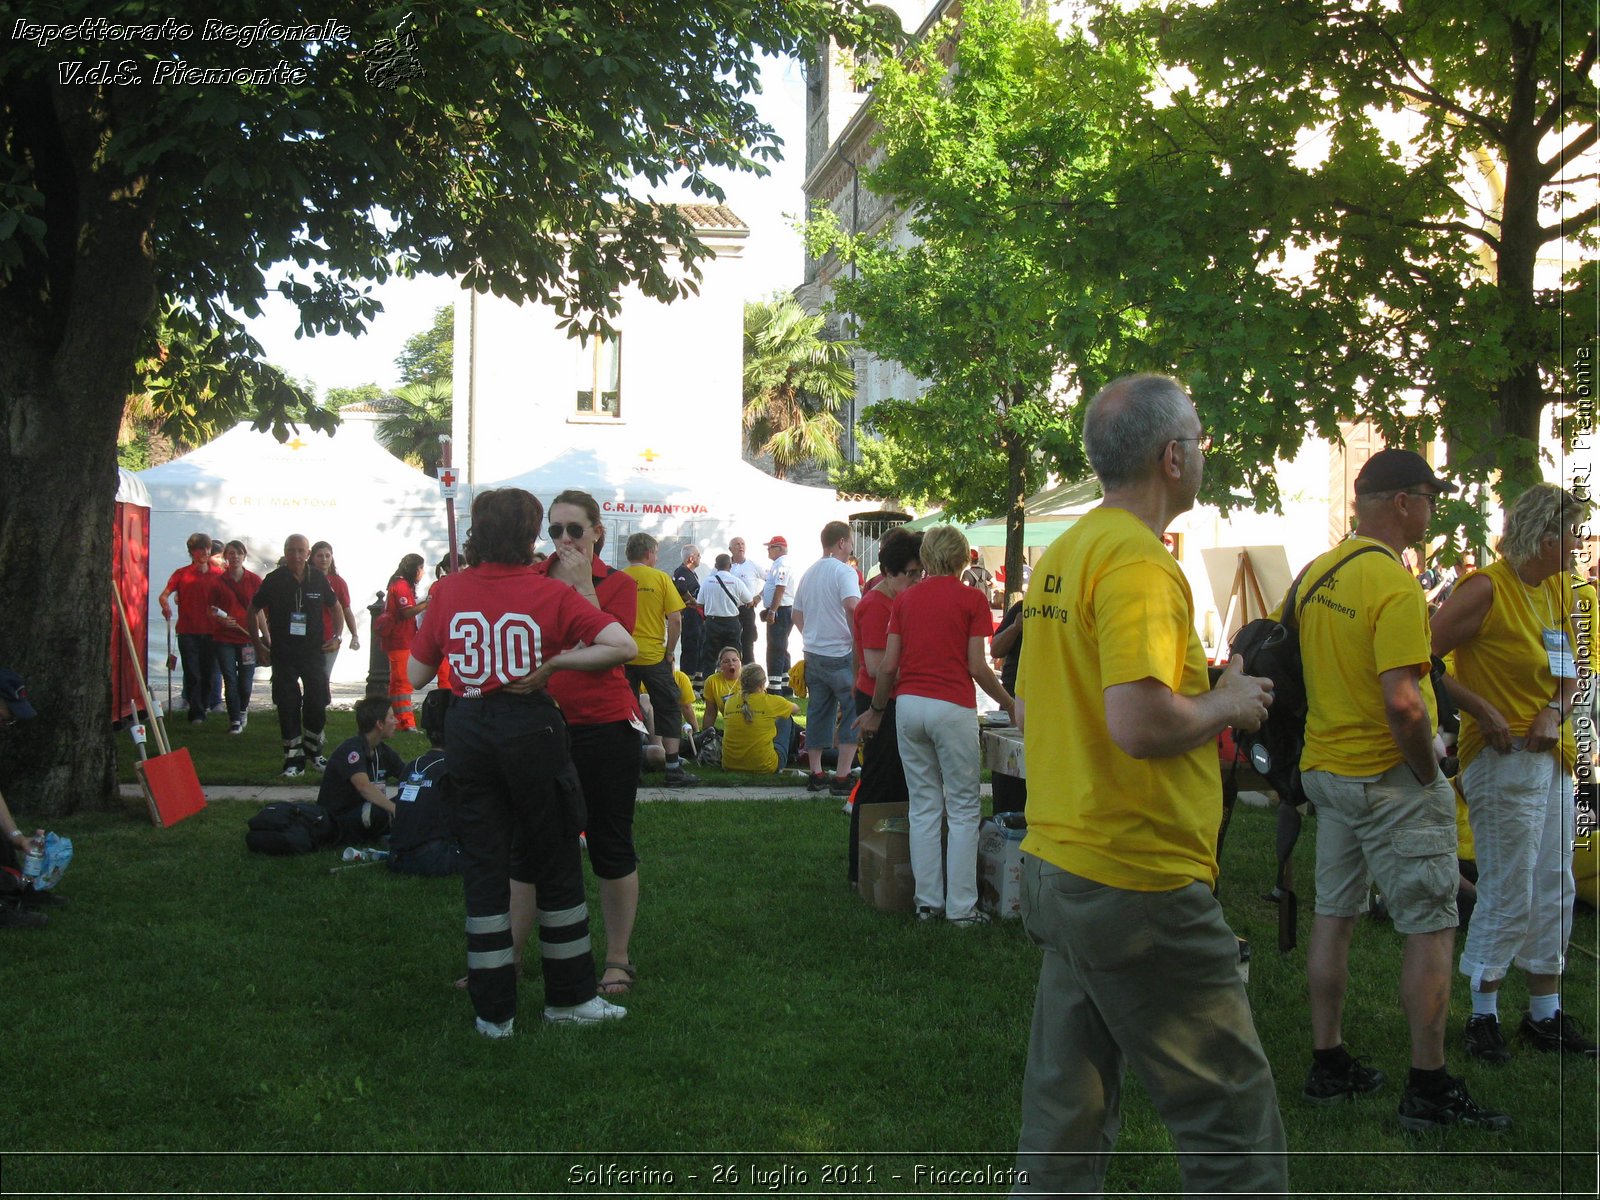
[447, 482]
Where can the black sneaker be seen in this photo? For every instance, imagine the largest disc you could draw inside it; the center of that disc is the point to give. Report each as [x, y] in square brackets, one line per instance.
[14, 916]
[1559, 1032]
[1335, 1085]
[1421, 1113]
[681, 778]
[817, 783]
[842, 787]
[1485, 1041]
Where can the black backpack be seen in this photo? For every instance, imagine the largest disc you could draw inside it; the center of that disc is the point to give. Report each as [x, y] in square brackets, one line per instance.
[1271, 650]
[285, 827]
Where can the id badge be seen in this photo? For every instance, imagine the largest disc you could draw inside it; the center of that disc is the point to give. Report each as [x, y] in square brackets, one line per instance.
[1559, 652]
[297, 624]
[247, 655]
[408, 793]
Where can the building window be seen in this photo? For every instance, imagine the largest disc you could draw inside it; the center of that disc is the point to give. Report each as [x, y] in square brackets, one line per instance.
[599, 376]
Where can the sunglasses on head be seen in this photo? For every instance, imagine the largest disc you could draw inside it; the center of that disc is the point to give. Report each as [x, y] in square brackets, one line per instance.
[572, 529]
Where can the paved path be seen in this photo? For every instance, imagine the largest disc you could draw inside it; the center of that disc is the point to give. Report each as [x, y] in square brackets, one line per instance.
[265, 794]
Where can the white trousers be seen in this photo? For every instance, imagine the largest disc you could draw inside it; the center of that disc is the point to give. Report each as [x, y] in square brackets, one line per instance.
[939, 747]
[1521, 810]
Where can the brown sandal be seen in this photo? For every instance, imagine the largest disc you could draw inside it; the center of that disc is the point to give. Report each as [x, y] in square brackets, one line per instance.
[619, 987]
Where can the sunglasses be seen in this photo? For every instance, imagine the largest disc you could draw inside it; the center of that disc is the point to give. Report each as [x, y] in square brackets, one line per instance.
[572, 529]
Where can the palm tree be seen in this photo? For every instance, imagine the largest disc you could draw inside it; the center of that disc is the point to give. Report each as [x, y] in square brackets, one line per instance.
[411, 430]
[794, 383]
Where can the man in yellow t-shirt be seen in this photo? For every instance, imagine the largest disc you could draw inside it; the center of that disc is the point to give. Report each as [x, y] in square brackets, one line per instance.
[1384, 809]
[1124, 801]
[656, 631]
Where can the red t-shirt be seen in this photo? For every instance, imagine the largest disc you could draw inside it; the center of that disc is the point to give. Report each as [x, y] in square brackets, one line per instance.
[599, 697]
[498, 622]
[872, 633]
[401, 595]
[934, 621]
[193, 586]
[233, 597]
[341, 593]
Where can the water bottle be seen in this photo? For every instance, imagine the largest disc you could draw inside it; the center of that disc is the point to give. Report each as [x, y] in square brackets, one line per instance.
[354, 854]
[33, 864]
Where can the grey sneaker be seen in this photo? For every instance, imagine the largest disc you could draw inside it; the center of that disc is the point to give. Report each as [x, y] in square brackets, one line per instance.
[1335, 1085]
[1559, 1032]
[494, 1029]
[1484, 1039]
[1420, 1113]
[971, 921]
[593, 1011]
[681, 778]
[930, 914]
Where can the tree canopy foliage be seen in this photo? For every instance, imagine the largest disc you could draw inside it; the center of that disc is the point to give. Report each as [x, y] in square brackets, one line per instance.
[794, 382]
[507, 143]
[429, 356]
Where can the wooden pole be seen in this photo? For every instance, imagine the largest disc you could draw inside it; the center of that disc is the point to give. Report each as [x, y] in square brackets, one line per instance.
[162, 746]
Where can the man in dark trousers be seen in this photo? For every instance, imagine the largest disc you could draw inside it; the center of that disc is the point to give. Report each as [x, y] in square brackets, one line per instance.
[352, 791]
[691, 642]
[288, 611]
[422, 839]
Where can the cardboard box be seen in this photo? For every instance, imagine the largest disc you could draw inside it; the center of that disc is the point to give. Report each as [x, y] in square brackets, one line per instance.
[1002, 750]
[1000, 865]
[884, 877]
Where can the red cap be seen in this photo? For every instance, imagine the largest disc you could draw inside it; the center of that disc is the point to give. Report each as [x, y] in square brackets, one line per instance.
[778, 540]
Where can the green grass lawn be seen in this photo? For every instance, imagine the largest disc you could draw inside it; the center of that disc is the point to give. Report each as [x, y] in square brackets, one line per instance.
[196, 998]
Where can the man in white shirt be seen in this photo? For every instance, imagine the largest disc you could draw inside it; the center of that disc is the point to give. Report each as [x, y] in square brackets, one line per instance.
[723, 596]
[823, 605]
[777, 612]
[752, 577]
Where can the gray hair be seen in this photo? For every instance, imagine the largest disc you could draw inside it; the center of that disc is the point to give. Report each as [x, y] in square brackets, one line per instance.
[1128, 423]
[1542, 509]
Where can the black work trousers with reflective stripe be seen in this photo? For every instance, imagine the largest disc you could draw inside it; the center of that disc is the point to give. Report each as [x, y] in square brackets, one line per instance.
[513, 779]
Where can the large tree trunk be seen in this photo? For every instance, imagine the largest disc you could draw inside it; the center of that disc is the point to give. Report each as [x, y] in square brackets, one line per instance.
[1016, 494]
[71, 316]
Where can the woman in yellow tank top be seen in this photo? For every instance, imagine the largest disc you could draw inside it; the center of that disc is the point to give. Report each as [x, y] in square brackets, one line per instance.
[1516, 654]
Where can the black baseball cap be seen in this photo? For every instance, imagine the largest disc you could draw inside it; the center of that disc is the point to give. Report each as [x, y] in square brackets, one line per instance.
[1394, 470]
[15, 693]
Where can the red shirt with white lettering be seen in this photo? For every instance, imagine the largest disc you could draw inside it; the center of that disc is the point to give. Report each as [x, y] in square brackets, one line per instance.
[497, 622]
[872, 633]
[934, 621]
[599, 697]
[193, 586]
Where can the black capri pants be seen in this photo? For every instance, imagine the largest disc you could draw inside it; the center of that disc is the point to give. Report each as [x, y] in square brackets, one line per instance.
[514, 780]
[607, 758]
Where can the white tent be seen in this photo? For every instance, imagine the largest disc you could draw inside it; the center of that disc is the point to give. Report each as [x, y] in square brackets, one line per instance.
[343, 488]
[720, 502]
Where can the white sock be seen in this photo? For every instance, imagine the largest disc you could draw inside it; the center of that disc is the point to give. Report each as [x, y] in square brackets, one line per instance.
[1542, 1008]
[1486, 1004]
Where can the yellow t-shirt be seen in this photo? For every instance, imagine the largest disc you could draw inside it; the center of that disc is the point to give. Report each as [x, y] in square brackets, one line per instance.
[1506, 663]
[718, 689]
[1371, 617]
[1108, 605]
[658, 596]
[797, 677]
[747, 745]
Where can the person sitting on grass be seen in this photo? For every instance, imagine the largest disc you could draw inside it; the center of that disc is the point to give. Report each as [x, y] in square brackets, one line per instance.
[719, 685]
[422, 840]
[758, 729]
[352, 791]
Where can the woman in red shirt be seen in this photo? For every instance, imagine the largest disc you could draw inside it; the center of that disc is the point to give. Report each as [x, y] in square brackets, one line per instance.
[322, 560]
[401, 604]
[937, 649]
[231, 593]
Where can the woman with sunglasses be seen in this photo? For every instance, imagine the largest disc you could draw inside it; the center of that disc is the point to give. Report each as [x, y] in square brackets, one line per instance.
[603, 720]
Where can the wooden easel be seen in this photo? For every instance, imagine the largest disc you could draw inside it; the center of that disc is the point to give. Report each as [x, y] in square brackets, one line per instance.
[1245, 598]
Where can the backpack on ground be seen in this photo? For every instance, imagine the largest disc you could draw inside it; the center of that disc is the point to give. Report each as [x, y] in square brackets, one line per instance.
[289, 827]
[1271, 650]
[708, 751]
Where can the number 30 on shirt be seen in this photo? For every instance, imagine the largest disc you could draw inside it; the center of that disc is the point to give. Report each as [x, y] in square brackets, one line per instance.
[506, 650]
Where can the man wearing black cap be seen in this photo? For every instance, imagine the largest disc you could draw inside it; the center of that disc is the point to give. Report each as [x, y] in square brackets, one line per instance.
[16, 900]
[1384, 809]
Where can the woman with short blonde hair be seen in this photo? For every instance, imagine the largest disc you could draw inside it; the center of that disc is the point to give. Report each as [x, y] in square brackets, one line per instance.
[1516, 641]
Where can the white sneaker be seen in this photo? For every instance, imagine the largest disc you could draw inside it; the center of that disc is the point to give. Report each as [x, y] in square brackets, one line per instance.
[244, 719]
[494, 1029]
[236, 727]
[971, 921]
[590, 1012]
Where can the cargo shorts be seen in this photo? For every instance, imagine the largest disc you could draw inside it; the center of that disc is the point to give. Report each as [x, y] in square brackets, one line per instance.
[1391, 830]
